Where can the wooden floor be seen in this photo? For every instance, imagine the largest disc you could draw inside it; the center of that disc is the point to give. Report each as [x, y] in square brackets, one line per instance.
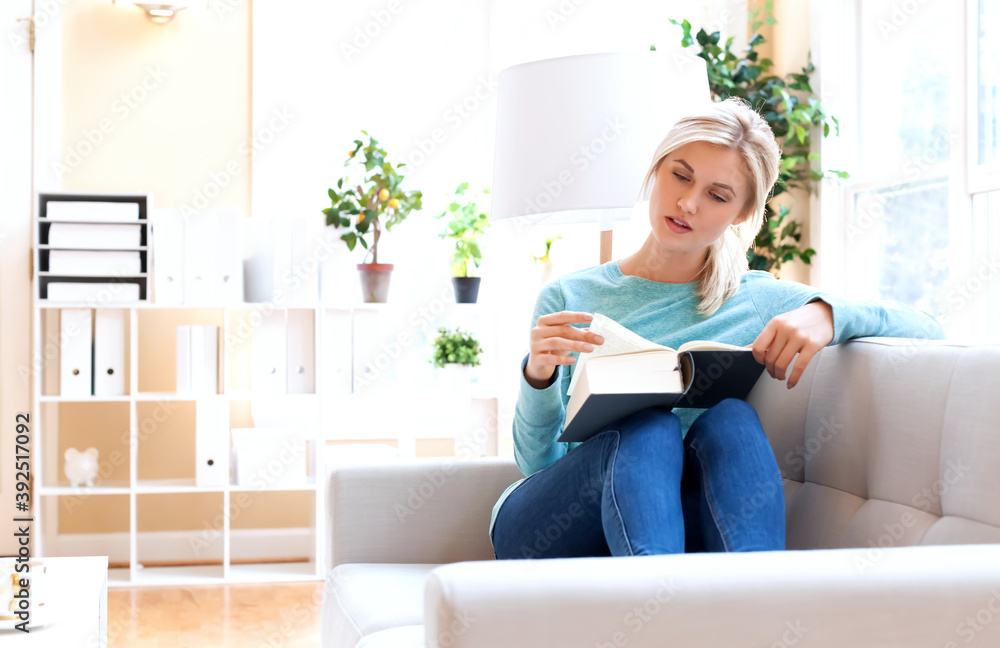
[223, 616]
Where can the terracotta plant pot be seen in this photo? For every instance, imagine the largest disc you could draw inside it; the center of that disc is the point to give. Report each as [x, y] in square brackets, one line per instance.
[466, 289]
[375, 281]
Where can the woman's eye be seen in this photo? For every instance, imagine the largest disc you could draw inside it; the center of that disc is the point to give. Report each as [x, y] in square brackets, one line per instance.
[680, 177]
[718, 198]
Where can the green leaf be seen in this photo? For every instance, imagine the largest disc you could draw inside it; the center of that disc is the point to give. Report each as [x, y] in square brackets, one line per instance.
[770, 21]
[351, 239]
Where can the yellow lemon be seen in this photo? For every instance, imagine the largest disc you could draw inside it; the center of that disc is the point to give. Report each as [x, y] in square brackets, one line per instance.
[393, 203]
[383, 195]
[361, 218]
[350, 154]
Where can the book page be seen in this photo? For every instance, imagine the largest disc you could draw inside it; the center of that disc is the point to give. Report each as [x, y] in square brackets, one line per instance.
[618, 340]
[699, 345]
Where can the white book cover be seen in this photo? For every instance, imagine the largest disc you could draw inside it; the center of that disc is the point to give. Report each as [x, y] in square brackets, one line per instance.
[75, 335]
[97, 293]
[211, 442]
[268, 354]
[109, 352]
[204, 359]
[91, 210]
[183, 358]
[95, 236]
[300, 351]
[94, 262]
[167, 259]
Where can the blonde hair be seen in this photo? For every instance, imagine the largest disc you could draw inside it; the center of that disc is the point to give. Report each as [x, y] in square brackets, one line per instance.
[734, 125]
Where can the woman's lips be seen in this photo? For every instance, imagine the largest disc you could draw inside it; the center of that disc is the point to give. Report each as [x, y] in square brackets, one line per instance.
[677, 225]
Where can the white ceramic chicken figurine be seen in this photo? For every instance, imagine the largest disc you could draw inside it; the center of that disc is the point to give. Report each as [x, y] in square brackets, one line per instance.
[81, 467]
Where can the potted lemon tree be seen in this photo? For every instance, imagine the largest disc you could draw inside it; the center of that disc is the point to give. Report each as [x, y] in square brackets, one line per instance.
[468, 221]
[368, 200]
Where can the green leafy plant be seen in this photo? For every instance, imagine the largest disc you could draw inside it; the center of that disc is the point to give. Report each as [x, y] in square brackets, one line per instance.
[791, 109]
[455, 346]
[548, 247]
[369, 198]
[468, 222]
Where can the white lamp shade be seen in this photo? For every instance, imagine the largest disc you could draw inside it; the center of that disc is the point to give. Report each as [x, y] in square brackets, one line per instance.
[575, 135]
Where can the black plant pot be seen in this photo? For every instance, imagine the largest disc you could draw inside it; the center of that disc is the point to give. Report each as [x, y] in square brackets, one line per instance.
[466, 289]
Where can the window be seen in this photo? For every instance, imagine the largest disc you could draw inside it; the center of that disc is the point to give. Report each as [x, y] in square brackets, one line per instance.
[916, 90]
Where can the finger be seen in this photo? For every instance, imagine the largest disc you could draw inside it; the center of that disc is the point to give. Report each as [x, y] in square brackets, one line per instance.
[762, 342]
[773, 352]
[570, 333]
[805, 355]
[562, 345]
[565, 317]
[782, 361]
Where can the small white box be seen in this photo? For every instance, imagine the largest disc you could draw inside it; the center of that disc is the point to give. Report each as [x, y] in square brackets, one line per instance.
[270, 458]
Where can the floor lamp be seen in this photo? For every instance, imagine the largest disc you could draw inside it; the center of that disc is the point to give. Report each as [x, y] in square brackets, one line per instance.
[575, 135]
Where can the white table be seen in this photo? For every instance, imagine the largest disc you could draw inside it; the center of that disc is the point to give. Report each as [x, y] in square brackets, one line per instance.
[78, 589]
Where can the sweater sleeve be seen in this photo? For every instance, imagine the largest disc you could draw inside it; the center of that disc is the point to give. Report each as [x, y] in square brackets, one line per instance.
[539, 413]
[851, 318]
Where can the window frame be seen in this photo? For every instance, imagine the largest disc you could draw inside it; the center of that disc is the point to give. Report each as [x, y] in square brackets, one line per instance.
[835, 44]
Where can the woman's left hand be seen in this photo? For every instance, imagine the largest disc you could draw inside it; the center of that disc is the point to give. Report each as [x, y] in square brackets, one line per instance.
[803, 331]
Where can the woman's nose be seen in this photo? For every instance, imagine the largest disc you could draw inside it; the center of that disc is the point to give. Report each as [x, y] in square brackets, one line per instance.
[687, 203]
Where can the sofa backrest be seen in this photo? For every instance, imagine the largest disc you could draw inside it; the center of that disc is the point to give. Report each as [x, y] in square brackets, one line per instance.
[888, 442]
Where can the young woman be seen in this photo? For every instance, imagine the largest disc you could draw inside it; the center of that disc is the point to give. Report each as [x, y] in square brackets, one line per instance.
[688, 480]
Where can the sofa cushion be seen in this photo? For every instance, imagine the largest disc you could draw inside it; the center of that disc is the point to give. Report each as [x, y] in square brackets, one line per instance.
[362, 600]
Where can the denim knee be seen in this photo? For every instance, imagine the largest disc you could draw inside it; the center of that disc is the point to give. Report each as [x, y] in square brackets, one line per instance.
[731, 408]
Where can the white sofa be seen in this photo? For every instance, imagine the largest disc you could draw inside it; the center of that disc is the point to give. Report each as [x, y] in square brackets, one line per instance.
[890, 452]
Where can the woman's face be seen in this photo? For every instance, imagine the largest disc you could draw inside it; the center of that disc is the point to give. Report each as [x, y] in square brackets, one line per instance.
[698, 193]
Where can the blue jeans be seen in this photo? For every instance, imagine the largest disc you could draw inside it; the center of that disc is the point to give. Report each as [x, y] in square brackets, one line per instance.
[638, 488]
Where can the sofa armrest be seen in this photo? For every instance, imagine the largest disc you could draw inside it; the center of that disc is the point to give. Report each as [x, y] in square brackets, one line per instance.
[415, 510]
[919, 597]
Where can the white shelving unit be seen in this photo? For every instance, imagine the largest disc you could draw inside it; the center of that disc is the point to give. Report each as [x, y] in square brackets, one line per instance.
[50, 486]
[339, 344]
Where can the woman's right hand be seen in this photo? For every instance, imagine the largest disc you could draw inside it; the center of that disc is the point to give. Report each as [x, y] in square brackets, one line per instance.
[552, 340]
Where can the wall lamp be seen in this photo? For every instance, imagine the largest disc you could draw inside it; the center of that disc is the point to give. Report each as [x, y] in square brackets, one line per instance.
[158, 12]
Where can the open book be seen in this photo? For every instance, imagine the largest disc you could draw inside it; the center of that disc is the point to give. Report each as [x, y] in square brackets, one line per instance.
[629, 373]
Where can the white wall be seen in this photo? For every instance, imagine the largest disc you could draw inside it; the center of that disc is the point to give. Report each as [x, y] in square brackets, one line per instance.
[421, 77]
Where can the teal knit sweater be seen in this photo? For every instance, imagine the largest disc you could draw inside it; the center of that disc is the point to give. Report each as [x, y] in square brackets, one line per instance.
[667, 314]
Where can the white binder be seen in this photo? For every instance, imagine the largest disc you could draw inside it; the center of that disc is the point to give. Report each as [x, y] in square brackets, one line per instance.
[337, 345]
[213, 258]
[305, 260]
[76, 330]
[204, 360]
[211, 442]
[268, 355]
[301, 351]
[227, 277]
[199, 259]
[109, 352]
[183, 357]
[168, 256]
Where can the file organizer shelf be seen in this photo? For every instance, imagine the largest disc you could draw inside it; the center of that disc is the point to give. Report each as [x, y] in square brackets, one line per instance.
[92, 247]
[212, 550]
